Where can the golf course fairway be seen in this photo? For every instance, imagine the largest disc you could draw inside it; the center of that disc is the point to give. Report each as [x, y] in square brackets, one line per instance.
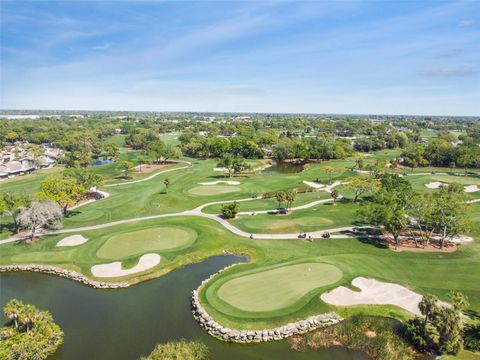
[277, 288]
[146, 240]
[207, 190]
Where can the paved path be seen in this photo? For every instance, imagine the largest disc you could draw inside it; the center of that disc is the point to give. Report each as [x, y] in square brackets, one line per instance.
[198, 211]
[189, 164]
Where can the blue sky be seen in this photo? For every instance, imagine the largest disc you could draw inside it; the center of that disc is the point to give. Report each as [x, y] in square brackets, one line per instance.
[388, 57]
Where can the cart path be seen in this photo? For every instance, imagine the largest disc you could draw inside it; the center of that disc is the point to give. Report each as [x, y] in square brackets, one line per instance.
[189, 165]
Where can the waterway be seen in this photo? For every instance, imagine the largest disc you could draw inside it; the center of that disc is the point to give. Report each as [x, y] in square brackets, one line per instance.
[128, 323]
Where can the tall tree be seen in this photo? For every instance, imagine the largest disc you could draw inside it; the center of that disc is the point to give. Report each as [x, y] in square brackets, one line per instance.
[428, 307]
[362, 184]
[40, 215]
[280, 196]
[290, 197]
[112, 151]
[125, 166]
[65, 191]
[233, 164]
[450, 212]
[390, 204]
[14, 202]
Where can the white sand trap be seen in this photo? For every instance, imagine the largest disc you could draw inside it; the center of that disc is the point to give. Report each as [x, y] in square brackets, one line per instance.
[459, 239]
[471, 188]
[73, 240]
[434, 185]
[221, 169]
[220, 182]
[374, 292]
[362, 171]
[313, 184]
[114, 269]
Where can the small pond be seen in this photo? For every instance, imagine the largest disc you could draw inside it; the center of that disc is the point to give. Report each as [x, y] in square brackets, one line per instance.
[282, 168]
[100, 162]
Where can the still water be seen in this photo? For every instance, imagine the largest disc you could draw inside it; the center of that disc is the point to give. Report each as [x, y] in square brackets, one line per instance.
[282, 168]
[125, 324]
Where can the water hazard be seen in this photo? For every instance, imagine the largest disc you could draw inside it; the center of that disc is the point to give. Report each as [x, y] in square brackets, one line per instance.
[128, 323]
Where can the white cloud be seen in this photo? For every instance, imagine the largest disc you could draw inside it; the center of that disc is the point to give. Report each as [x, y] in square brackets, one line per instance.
[452, 71]
[102, 47]
[466, 22]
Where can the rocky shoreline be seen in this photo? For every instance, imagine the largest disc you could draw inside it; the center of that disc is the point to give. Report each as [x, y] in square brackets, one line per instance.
[247, 336]
[69, 274]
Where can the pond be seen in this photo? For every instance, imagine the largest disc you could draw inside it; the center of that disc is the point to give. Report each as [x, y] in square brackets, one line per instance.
[282, 168]
[128, 323]
[100, 162]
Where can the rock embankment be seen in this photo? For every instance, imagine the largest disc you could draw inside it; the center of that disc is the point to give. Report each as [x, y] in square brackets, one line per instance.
[69, 274]
[247, 336]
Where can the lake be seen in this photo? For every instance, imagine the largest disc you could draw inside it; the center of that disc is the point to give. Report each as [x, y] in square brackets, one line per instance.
[128, 323]
[281, 168]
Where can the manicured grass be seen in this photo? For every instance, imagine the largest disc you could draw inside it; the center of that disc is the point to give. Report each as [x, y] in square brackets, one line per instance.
[207, 190]
[325, 216]
[436, 273]
[146, 240]
[268, 290]
[270, 204]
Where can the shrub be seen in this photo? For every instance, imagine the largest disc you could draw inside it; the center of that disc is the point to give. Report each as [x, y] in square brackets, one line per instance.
[30, 333]
[415, 334]
[471, 337]
[375, 336]
[179, 350]
[230, 210]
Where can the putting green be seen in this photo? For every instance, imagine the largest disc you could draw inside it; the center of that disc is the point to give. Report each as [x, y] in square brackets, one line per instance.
[206, 190]
[278, 288]
[146, 240]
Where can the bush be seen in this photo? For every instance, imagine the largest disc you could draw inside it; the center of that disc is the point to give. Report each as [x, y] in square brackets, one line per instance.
[179, 350]
[30, 333]
[230, 210]
[415, 334]
[471, 337]
[375, 336]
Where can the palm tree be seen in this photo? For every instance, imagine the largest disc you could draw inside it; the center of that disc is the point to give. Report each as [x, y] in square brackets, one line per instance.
[428, 308]
[291, 196]
[167, 183]
[459, 300]
[281, 197]
[449, 326]
[334, 194]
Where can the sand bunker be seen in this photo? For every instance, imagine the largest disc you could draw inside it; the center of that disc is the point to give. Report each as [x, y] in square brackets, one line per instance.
[220, 182]
[458, 239]
[434, 185]
[73, 240]
[374, 292]
[313, 184]
[471, 188]
[114, 269]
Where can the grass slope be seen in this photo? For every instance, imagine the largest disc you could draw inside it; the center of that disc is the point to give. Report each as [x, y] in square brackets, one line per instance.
[142, 241]
[268, 290]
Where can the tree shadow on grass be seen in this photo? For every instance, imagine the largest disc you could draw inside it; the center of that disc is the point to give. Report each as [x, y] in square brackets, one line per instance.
[370, 236]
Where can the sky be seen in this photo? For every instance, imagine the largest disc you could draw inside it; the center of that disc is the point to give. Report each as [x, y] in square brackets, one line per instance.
[349, 57]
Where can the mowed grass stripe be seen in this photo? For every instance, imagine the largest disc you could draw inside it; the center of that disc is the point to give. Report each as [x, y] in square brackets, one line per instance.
[143, 241]
[206, 190]
[277, 288]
